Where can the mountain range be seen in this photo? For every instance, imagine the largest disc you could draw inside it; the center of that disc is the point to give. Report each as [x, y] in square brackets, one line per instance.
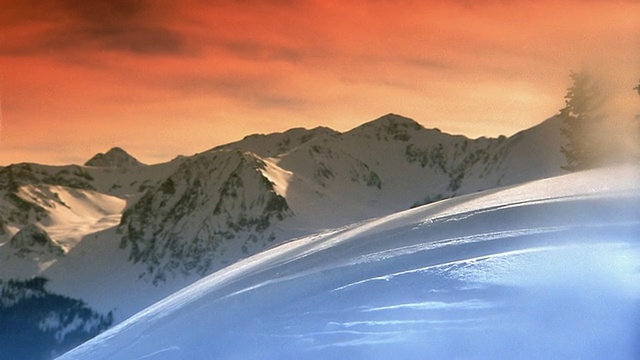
[117, 235]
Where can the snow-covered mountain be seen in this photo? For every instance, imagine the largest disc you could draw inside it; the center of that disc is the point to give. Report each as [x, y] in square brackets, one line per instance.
[212, 205]
[131, 234]
[115, 157]
[542, 270]
[240, 198]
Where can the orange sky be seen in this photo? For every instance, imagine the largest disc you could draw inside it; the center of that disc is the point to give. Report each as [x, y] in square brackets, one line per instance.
[161, 78]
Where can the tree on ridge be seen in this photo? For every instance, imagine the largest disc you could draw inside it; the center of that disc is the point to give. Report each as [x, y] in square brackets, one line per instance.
[582, 118]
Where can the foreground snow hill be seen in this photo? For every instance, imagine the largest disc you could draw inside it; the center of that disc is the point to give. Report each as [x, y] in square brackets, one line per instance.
[543, 270]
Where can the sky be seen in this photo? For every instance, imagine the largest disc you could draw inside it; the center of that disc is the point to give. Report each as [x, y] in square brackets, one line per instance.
[164, 78]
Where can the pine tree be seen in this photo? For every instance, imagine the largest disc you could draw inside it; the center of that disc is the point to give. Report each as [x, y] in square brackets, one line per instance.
[582, 115]
[637, 88]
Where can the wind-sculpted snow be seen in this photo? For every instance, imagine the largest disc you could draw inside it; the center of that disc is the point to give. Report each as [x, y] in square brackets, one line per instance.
[545, 270]
[18, 210]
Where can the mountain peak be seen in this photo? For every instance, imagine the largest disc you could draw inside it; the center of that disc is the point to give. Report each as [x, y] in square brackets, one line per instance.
[115, 157]
[392, 118]
[390, 126]
[395, 118]
[392, 121]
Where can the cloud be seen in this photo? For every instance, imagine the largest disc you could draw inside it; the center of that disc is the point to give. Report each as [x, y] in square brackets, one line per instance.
[250, 49]
[137, 27]
[258, 91]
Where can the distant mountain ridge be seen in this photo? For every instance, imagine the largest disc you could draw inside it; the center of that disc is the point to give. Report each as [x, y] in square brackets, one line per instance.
[239, 198]
[319, 178]
[132, 231]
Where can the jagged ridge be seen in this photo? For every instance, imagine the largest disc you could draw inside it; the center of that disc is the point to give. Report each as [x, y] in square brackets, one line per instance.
[215, 203]
[220, 205]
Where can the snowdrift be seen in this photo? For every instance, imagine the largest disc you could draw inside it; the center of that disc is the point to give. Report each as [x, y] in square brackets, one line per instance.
[547, 269]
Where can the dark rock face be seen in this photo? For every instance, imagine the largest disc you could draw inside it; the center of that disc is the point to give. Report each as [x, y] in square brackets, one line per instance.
[215, 203]
[34, 241]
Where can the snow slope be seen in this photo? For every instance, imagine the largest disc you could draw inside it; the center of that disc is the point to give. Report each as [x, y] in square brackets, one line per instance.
[542, 270]
[120, 235]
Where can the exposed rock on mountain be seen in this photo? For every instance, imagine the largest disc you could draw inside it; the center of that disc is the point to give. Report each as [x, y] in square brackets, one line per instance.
[232, 200]
[279, 143]
[195, 214]
[215, 204]
[20, 208]
[33, 241]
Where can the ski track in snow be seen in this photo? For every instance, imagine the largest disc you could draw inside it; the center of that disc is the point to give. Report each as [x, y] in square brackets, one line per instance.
[162, 351]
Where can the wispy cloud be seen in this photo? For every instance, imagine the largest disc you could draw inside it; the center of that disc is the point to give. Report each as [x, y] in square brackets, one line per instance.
[136, 27]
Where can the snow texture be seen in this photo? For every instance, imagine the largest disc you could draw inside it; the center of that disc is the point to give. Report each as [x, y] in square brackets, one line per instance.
[543, 270]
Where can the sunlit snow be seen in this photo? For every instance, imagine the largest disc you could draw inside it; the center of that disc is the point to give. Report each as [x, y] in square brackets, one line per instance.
[544, 270]
[75, 212]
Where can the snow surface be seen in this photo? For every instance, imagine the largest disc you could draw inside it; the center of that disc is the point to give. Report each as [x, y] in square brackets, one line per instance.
[73, 213]
[83, 212]
[543, 270]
